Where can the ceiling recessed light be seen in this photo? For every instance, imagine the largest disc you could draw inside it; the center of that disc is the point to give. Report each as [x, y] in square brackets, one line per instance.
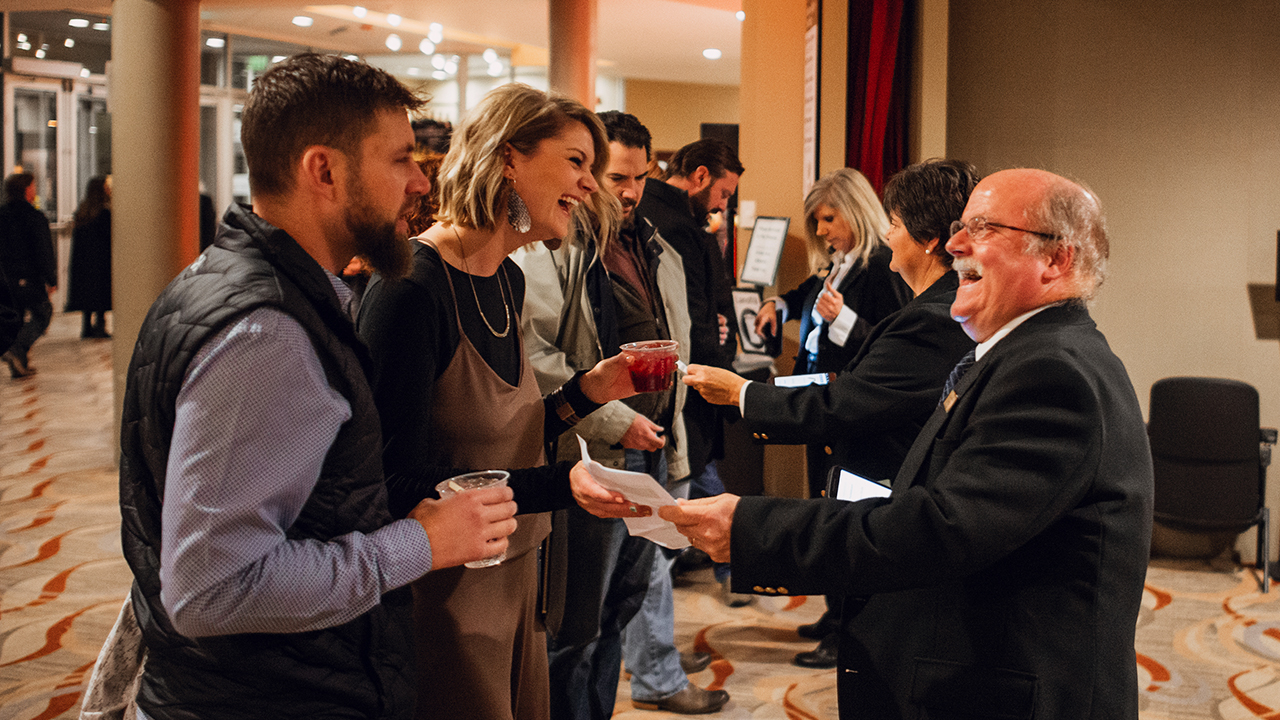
[741, 16]
[495, 69]
[84, 72]
[78, 23]
[24, 45]
[40, 53]
[278, 58]
[22, 37]
[394, 20]
[490, 55]
[436, 33]
[359, 11]
[439, 75]
[426, 46]
[102, 26]
[352, 58]
[216, 42]
[69, 42]
[393, 42]
[302, 21]
[451, 67]
[711, 54]
[437, 62]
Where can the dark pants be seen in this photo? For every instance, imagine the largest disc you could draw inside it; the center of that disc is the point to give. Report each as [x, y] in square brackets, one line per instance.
[32, 301]
[608, 573]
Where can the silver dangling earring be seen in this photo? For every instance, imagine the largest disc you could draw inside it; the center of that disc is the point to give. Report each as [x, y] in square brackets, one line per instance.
[518, 212]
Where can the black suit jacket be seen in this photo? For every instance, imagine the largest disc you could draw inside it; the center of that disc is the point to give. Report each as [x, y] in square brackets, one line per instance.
[873, 291]
[1006, 569]
[866, 418]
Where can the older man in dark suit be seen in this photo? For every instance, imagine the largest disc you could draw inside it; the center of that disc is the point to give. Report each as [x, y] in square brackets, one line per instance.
[1005, 571]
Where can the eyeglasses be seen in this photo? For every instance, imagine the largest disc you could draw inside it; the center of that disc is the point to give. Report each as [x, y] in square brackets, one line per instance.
[978, 228]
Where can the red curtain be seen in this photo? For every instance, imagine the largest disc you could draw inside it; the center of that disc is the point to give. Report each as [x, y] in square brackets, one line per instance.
[878, 87]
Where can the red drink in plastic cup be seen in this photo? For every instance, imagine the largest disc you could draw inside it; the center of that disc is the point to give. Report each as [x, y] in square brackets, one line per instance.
[652, 364]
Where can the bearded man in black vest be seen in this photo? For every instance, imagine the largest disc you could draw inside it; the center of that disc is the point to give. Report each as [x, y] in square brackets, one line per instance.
[270, 578]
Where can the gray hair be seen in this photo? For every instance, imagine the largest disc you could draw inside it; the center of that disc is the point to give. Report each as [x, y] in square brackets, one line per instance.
[1072, 213]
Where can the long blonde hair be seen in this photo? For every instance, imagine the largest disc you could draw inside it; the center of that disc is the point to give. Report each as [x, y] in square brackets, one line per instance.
[473, 191]
[851, 196]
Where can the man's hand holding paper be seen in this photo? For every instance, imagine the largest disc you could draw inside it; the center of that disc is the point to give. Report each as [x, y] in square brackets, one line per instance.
[598, 489]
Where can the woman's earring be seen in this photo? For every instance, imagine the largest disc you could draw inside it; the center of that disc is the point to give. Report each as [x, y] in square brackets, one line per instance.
[518, 212]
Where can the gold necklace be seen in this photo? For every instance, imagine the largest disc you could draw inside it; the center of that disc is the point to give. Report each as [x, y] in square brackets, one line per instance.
[462, 250]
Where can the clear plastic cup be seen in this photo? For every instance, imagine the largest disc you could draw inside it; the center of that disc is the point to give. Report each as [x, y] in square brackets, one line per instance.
[653, 364]
[476, 481]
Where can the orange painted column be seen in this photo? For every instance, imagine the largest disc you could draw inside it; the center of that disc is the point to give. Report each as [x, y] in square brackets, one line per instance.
[154, 98]
[573, 50]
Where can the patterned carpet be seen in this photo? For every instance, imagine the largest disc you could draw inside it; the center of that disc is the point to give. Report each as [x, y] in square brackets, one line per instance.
[1208, 641]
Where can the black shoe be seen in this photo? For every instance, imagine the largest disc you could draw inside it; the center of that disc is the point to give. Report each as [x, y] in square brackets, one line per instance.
[18, 367]
[823, 656]
[692, 700]
[694, 662]
[689, 559]
[817, 630]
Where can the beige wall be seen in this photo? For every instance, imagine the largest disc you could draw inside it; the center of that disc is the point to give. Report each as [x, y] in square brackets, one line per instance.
[1171, 113]
[674, 112]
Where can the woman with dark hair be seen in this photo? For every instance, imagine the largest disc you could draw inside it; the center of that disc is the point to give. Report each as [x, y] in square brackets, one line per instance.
[870, 412]
[90, 266]
[455, 390]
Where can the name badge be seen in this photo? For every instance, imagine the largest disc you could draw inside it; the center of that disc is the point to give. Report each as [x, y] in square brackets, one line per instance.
[949, 401]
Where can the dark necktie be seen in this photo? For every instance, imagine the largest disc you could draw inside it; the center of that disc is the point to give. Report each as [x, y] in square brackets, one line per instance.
[957, 372]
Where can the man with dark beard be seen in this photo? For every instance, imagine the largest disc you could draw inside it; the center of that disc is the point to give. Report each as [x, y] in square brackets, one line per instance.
[269, 576]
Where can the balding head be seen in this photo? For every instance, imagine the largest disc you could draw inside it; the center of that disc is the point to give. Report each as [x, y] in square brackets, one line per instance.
[1044, 241]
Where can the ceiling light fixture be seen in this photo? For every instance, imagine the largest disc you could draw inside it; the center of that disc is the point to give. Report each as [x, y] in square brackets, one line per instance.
[451, 67]
[102, 26]
[302, 21]
[352, 58]
[741, 15]
[439, 75]
[436, 33]
[393, 42]
[437, 62]
[216, 42]
[78, 23]
[84, 73]
[359, 11]
[394, 20]
[426, 46]
[40, 53]
[711, 54]
[278, 58]
[69, 42]
[495, 69]
[22, 37]
[490, 55]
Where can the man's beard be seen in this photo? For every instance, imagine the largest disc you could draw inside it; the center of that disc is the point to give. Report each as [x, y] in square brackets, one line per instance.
[385, 249]
[700, 203]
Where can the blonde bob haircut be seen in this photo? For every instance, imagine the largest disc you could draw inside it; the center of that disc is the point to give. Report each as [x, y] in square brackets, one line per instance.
[848, 193]
[473, 190]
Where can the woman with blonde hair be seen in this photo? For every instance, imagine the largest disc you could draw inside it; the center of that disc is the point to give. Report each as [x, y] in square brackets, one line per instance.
[852, 287]
[456, 392]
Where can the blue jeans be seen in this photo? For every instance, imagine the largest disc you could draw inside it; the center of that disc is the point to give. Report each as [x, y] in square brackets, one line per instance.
[709, 484]
[649, 643]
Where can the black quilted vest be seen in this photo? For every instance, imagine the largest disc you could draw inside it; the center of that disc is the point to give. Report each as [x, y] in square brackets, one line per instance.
[362, 669]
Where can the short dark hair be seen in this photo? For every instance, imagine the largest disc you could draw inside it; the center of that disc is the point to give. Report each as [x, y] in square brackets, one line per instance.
[307, 100]
[627, 130]
[715, 155]
[15, 186]
[929, 196]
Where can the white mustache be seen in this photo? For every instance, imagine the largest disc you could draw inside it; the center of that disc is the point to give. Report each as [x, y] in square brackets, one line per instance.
[967, 268]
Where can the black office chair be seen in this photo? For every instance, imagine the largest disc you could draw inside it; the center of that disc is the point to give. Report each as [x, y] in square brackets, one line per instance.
[1210, 458]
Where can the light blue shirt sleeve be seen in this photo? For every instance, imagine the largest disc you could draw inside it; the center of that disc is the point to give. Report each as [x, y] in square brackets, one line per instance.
[255, 419]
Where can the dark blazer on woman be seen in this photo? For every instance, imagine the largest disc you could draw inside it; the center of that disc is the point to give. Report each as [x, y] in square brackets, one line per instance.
[869, 414]
[873, 291]
[1006, 569]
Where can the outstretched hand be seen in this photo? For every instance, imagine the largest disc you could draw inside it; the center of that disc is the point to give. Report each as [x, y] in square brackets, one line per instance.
[717, 385]
[609, 380]
[469, 526]
[600, 502]
[707, 522]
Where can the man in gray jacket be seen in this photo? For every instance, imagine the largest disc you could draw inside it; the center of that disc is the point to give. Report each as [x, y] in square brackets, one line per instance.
[581, 302]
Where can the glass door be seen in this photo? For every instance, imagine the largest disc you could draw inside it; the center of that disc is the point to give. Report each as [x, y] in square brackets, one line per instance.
[35, 142]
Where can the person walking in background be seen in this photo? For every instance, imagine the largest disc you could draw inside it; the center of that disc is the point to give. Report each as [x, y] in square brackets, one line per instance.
[90, 268]
[26, 253]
